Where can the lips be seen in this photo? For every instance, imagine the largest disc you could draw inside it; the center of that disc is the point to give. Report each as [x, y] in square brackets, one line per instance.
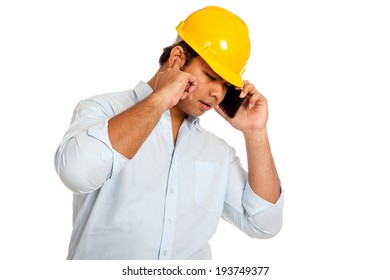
[207, 105]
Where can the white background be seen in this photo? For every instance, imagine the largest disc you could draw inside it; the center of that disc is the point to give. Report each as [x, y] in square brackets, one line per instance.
[324, 67]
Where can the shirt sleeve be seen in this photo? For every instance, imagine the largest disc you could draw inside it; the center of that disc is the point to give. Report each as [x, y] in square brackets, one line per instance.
[85, 158]
[246, 210]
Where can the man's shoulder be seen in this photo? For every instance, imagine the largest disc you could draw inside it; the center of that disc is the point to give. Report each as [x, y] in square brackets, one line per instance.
[211, 136]
[113, 101]
[124, 98]
[116, 96]
[207, 142]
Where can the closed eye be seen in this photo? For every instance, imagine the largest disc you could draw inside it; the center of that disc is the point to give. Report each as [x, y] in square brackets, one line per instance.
[227, 85]
[210, 76]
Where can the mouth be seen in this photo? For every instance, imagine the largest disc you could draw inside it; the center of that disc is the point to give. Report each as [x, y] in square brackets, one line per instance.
[206, 105]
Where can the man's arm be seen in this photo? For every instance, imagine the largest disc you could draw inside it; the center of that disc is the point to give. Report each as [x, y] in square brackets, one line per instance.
[262, 174]
[258, 209]
[128, 130]
[84, 159]
[252, 119]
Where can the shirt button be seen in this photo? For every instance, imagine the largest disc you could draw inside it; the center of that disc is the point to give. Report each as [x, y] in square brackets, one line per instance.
[165, 252]
[171, 190]
[169, 221]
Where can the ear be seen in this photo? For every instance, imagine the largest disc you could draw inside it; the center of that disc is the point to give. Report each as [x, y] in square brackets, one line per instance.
[177, 52]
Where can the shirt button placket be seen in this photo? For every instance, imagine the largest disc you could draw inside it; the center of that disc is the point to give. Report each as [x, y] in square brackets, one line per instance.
[169, 215]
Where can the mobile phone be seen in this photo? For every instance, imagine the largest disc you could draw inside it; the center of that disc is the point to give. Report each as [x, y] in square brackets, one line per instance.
[232, 101]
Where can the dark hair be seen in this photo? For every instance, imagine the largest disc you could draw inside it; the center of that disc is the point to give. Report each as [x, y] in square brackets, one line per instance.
[188, 52]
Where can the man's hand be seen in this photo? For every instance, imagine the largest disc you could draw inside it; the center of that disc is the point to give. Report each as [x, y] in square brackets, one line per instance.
[173, 84]
[253, 114]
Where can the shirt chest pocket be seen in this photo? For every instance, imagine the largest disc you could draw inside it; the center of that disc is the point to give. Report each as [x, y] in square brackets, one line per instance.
[210, 185]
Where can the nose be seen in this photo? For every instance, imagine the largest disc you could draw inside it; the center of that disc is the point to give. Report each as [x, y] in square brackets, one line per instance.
[218, 91]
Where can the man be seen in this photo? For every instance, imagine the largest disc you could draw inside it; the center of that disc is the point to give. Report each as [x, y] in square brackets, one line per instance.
[149, 182]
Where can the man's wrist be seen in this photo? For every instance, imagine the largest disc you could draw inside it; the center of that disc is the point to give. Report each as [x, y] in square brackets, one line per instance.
[255, 133]
[159, 102]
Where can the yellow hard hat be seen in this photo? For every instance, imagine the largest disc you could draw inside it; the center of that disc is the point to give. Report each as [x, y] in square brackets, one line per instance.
[220, 38]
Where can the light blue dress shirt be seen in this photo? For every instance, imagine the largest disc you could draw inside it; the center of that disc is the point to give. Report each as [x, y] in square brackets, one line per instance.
[164, 203]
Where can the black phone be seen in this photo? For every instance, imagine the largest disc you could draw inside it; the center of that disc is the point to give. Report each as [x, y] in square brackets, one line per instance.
[232, 101]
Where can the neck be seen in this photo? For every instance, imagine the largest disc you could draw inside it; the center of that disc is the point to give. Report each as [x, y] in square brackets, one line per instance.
[153, 80]
[177, 118]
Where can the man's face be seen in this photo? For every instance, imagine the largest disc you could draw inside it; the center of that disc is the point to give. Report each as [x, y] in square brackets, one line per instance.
[209, 93]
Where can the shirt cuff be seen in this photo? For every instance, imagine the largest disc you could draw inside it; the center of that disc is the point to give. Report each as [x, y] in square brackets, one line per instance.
[254, 204]
[100, 132]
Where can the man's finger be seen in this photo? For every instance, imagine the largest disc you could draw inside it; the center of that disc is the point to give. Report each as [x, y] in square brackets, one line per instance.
[192, 83]
[253, 100]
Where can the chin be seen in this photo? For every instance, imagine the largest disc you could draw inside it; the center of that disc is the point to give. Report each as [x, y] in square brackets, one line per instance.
[196, 114]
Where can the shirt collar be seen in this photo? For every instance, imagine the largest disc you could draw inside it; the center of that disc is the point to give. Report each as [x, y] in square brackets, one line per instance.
[192, 121]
